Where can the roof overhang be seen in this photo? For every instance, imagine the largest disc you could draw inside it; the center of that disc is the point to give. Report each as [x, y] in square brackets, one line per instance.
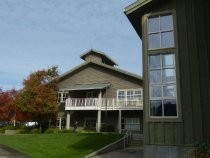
[94, 86]
[136, 10]
[82, 56]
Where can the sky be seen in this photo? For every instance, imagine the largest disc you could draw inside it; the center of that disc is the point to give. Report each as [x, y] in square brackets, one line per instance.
[37, 34]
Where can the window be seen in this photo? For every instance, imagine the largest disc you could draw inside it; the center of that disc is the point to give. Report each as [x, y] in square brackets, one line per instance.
[129, 95]
[162, 85]
[121, 95]
[132, 124]
[61, 122]
[160, 32]
[62, 96]
[161, 67]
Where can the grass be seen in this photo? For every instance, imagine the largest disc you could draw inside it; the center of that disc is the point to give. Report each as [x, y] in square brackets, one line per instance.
[74, 145]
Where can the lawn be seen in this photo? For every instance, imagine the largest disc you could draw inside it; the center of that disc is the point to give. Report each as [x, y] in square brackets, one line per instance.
[71, 145]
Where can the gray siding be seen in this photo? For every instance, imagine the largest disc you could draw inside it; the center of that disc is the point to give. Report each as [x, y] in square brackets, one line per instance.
[93, 58]
[96, 74]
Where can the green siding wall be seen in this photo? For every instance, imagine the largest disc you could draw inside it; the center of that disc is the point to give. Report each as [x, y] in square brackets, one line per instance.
[193, 77]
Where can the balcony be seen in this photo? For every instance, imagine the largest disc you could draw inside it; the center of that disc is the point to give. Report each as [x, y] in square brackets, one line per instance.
[102, 104]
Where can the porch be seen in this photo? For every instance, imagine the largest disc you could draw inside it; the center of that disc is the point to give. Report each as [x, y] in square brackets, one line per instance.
[103, 104]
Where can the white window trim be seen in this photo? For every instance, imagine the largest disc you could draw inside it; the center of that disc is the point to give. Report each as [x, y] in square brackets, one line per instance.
[62, 92]
[126, 90]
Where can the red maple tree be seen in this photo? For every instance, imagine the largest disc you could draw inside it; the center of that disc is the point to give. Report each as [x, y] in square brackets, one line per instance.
[38, 97]
[7, 106]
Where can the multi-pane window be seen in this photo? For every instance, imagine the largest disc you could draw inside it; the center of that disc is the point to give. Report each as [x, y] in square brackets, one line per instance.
[62, 96]
[121, 95]
[132, 124]
[162, 67]
[160, 32]
[162, 78]
[129, 95]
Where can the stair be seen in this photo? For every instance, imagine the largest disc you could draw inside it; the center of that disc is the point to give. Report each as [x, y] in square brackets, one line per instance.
[136, 143]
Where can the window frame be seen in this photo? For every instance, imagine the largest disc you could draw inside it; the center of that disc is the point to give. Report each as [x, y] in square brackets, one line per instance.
[148, 52]
[162, 98]
[132, 123]
[132, 96]
[61, 95]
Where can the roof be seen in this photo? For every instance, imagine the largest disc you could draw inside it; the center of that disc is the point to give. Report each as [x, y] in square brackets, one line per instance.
[88, 86]
[136, 10]
[74, 70]
[102, 54]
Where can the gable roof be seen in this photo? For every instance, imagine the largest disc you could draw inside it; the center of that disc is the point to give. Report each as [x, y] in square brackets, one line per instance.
[102, 54]
[80, 67]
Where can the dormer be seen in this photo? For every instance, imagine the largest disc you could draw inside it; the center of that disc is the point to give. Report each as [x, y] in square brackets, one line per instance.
[97, 57]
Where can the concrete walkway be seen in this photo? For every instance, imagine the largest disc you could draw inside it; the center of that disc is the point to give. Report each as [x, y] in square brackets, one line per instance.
[6, 152]
[124, 153]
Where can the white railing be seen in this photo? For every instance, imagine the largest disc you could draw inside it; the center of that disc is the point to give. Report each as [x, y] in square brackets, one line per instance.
[102, 104]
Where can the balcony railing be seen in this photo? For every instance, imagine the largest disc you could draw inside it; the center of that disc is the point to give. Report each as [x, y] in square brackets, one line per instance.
[102, 104]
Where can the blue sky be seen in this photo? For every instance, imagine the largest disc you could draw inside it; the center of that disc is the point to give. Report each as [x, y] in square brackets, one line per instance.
[36, 34]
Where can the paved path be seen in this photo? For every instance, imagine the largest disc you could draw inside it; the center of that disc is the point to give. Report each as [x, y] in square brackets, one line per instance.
[125, 153]
[6, 152]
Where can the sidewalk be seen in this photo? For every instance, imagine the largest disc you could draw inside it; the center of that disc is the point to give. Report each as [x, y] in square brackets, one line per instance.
[6, 152]
[124, 153]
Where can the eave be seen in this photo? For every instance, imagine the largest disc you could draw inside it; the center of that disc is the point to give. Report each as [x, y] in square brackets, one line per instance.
[136, 10]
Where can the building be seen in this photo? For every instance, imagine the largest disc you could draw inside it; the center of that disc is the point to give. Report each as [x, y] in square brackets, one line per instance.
[97, 94]
[176, 61]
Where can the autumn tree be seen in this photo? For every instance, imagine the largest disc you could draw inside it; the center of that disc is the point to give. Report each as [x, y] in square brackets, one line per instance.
[7, 106]
[39, 96]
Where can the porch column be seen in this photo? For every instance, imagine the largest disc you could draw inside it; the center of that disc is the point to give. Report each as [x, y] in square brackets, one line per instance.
[99, 98]
[98, 123]
[60, 122]
[119, 121]
[68, 117]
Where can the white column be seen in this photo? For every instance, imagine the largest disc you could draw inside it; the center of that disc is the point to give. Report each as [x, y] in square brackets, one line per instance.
[99, 98]
[60, 121]
[98, 124]
[119, 121]
[68, 117]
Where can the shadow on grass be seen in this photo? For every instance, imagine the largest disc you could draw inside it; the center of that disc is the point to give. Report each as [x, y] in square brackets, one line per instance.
[94, 141]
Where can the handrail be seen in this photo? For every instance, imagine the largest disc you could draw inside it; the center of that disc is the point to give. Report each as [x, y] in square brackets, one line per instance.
[103, 103]
[127, 138]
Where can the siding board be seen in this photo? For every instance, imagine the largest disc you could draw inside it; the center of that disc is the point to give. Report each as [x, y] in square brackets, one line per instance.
[94, 74]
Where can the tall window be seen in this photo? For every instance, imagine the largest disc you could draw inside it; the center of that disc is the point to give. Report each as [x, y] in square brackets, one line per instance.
[161, 67]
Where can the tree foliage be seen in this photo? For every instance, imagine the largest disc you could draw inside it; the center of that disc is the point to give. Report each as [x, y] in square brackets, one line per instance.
[7, 106]
[39, 96]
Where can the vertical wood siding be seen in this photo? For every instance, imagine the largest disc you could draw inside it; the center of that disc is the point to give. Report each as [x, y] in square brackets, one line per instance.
[193, 77]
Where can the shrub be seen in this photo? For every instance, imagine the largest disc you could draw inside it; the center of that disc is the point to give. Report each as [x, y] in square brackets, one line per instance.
[65, 131]
[52, 130]
[25, 130]
[35, 131]
[202, 150]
